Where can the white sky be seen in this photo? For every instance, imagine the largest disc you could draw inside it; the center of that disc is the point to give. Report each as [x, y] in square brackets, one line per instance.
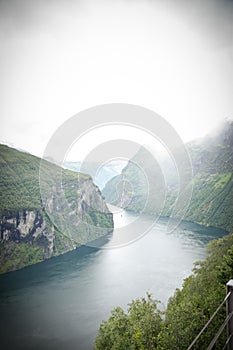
[60, 57]
[85, 144]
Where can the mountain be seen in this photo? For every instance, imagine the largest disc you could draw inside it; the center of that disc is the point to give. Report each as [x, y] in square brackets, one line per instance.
[129, 190]
[42, 216]
[212, 197]
[212, 157]
[101, 174]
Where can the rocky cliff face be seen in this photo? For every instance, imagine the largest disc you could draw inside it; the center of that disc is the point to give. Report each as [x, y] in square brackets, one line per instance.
[32, 228]
[17, 227]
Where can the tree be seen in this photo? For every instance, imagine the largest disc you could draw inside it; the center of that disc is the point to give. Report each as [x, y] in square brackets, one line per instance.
[142, 327]
[192, 306]
[135, 330]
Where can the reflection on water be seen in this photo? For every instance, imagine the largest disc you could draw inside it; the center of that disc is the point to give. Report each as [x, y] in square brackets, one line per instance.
[59, 303]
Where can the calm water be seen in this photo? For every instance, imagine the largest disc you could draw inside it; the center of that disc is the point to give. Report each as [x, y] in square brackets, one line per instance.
[60, 303]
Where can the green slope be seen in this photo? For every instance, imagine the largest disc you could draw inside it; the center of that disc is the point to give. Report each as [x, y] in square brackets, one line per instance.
[187, 311]
[33, 228]
[212, 198]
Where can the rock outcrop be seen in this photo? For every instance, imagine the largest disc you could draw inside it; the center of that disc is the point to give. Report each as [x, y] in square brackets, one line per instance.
[35, 227]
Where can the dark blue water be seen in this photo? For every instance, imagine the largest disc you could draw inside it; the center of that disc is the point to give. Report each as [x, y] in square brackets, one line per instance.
[60, 303]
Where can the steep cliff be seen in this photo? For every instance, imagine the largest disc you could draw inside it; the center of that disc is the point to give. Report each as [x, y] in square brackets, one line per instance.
[212, 158]
[33, 228]
[212, 197]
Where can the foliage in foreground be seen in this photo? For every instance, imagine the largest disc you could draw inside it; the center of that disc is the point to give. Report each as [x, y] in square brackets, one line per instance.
[136, 329]
[142, 327]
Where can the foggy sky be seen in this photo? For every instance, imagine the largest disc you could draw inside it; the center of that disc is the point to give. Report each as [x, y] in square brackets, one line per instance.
[60, 57]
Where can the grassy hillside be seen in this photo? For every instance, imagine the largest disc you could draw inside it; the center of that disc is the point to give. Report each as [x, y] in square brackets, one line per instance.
[212, 199]
[33, 228]
[212, 157]
[19, 180]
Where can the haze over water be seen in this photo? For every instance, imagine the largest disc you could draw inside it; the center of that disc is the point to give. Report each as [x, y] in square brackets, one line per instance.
[60, 303]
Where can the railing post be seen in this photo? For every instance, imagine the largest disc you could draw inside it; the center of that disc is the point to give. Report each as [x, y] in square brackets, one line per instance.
[229, 310]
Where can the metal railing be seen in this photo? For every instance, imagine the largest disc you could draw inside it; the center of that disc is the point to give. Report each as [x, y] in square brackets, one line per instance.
[228, 322]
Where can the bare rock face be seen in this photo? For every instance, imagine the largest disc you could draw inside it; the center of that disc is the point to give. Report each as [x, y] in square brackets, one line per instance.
[33, 228]
[20, 225]
[90, 197]
[25, 229]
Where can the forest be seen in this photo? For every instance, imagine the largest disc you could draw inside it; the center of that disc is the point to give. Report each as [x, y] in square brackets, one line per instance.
[146, 325]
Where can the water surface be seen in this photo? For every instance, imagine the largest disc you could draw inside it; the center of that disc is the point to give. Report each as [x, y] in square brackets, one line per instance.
[59, 304]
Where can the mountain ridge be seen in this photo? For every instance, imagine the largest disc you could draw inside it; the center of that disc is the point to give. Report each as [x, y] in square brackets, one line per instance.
[33, 228]
[212, 182]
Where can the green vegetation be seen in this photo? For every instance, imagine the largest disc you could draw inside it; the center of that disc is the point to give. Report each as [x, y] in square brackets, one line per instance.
[139, 187]
[136, 329]
[100, 219]
[142, 328]
[20, 179]
[18, 188]
[20, 255]
[222, 182]
[212, 199]
[45, 210]
[202, 292]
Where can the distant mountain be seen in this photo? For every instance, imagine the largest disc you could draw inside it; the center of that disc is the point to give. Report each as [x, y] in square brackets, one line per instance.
[129, 190]
[35, 227]
[100, 174]
[212, 198]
